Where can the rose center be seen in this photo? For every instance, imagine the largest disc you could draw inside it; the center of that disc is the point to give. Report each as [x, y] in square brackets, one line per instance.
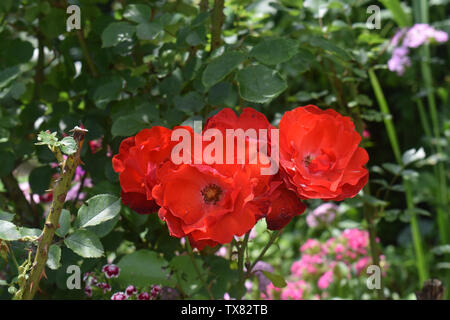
[211, 193]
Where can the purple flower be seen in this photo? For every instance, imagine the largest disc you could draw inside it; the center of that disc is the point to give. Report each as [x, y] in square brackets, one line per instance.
[263, 281]
[421, 33]
[119, 296]
[413, 37]
[322, 215]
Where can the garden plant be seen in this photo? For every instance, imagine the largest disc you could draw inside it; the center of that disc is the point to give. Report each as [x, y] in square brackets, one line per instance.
[224, 149]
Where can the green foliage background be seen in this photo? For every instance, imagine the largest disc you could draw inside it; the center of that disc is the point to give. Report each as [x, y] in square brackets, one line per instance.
[135, 64]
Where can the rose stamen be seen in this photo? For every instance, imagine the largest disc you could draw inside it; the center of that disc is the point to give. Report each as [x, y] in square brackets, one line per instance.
[211, 193]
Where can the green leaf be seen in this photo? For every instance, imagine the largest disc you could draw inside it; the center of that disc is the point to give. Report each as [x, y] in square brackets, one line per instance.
[274, 51]
[47, 138]
[29, 233]
[401, 18]
[260, 84]
[103, 229]
[85, 243]
[137, 13]
[39, 179]
[64, 223]
[143, 268]
[148, 30]
[98, 209]
[129, 125]
[107, 92]
[330, 46]
[8, 75]
[9, 231]
[54, 257]
[277, 280]
[220, 67]
[190, 102]
[117, 32]
[6, 216]
[185, 273]
[68, 145]
[223, 94]
[373, 201]
[392, 168]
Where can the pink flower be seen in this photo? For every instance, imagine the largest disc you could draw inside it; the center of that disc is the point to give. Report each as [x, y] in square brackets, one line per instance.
[111, 271]
[155, 291]
[95, 145]
[130, 290]
[310, 245]
[119, 296]
[88, 291]
[325, 280]
[361, 264]
[143, 296]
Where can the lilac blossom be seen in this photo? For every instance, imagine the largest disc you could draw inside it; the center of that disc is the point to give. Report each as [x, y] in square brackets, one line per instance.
[413, 37]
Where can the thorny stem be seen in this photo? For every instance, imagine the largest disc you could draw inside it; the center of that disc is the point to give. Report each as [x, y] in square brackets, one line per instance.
[29, 287]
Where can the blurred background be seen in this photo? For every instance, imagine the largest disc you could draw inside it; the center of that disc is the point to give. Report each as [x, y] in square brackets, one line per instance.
[117, 67]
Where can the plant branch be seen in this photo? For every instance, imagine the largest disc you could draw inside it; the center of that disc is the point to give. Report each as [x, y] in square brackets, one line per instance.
[28, 290]
[86, 53]
[217, 20]
[272, 239]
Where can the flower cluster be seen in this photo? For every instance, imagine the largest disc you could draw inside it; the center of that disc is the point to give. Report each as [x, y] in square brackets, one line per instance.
[408, 38]
[101, 285]
[324, 263]
[210, 202]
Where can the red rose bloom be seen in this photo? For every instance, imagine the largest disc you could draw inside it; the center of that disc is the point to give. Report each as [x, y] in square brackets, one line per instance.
[248, 119]
[319, 154]
[274, 201]
[200, 202]
[136, 163]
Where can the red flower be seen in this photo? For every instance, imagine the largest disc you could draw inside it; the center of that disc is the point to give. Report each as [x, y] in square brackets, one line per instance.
[136, 163]
[207, 205]
[279, 205]
[320, 155]
[272, 200]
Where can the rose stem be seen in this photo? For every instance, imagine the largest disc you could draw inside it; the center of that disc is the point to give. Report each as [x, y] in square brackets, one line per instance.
[68, 168]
